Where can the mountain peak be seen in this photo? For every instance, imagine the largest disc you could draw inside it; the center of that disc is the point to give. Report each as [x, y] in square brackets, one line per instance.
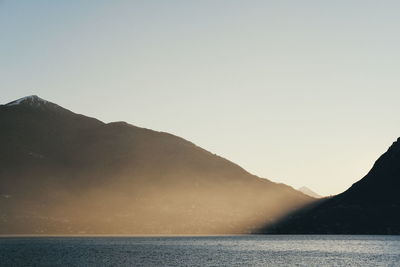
[57, 165]
[32, 100]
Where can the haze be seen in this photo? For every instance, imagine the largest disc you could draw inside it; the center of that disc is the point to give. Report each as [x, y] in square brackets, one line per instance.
[304, 93]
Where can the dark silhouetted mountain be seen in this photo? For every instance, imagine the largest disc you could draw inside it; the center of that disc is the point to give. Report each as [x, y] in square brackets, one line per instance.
[370, 206]
[65, 173]
[309, 192]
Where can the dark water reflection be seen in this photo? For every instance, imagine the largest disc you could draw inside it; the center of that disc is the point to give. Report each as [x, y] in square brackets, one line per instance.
[255, 250]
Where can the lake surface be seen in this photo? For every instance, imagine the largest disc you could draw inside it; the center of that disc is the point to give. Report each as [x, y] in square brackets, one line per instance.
[252, 250]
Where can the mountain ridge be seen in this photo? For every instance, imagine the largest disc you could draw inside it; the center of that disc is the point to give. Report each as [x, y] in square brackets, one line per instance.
[370, 206]
[67, 173]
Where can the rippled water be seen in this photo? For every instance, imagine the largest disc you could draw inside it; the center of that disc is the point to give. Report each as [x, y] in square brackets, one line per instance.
[254, 250]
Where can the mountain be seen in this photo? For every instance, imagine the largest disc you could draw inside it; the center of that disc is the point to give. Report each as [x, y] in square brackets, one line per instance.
[65, 173]
[307, 191]
[370, 206]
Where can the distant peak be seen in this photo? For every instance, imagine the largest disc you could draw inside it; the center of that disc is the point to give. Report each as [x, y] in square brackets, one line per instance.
[32, 100]
[309, 192]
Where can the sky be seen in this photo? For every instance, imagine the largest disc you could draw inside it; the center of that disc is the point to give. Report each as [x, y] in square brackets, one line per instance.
[300, 92]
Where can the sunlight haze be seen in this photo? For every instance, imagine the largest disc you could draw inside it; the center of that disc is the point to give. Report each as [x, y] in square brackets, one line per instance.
[300, 92]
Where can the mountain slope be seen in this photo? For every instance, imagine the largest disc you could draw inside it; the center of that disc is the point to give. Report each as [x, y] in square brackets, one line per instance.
[65, 173]
[370, 206]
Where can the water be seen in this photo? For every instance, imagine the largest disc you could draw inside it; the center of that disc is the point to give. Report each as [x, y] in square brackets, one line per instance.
[255, 250]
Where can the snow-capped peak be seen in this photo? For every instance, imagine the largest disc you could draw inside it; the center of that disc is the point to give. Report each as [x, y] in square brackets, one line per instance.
[33, 100]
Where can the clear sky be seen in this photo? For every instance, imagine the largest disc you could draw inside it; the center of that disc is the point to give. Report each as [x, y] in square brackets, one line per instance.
[300, 92]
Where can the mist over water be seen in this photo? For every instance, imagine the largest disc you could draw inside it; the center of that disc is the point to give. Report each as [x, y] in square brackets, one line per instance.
[254, 250]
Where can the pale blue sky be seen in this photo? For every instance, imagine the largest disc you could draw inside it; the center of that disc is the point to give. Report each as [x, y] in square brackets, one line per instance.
[300, 92]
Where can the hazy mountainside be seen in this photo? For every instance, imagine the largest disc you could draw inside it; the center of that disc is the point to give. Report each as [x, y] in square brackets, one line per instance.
[370, 206]
[64, 173]
[309, 192]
